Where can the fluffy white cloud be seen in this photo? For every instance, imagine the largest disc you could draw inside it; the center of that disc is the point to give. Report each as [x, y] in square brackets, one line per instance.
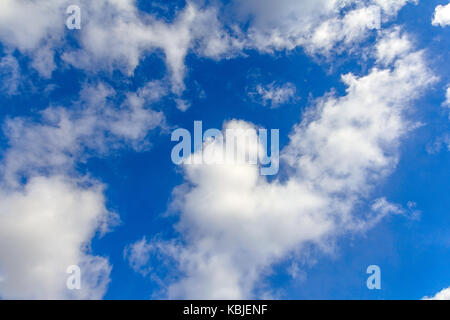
[33, 27]
[441, 16]
[25, 24]
[45, 227]
[48, 222]
[319, 26]
[66, 135]
[441, 295]
[115, 35]
[193, 28]
[235, 224]
[274, 94]
[393, 44]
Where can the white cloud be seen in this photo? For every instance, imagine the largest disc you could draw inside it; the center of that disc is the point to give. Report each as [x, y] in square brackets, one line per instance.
[115, 35]
[235, 224]
[65, 135]
[182, 105]
[447, 97]
[34, 28]
[382, 208]
[45, 227]
[442, 295]
[10, 72]
[442, 141]
[296, 273]
[439, 143]
[319, 26]
[135, 34]
[392, 45]
[43, 61]
[48, 222]
[274, 94]
[441, 16]
[26, 24]
[138, 256]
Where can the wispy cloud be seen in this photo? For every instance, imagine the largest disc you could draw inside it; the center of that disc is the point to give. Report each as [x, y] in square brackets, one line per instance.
[273, 94]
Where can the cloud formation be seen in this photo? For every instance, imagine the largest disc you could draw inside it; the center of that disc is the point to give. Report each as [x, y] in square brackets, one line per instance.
[273, 94]
[319, 26]
[45, 227]
[441, 16]
[64, 135]
[49, 214]
[115, 35]
[234, 224]
[10, 69]
[447, 97]
[441, 295]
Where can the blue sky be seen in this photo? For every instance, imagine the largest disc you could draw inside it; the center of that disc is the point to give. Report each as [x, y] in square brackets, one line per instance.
[87, 117]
